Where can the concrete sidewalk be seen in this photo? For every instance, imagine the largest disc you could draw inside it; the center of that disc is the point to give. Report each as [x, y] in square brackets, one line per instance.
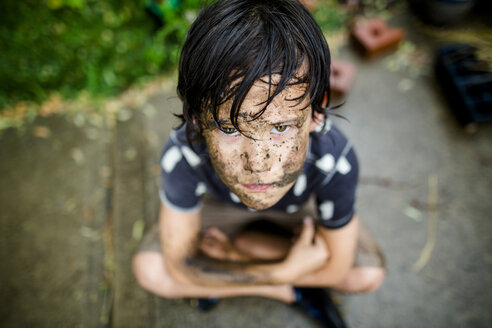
[54, 205]
[74, 205]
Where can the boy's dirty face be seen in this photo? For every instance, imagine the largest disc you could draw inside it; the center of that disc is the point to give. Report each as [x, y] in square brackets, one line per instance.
[260, 165]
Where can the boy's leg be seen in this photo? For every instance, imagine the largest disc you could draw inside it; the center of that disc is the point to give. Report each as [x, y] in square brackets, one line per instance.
[264, 240]
[369, 268]
[365, 276]
[150, 271]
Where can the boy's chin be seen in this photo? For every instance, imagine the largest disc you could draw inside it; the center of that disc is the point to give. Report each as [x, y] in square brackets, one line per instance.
[259, 203]
[259, 207]
[262, 200]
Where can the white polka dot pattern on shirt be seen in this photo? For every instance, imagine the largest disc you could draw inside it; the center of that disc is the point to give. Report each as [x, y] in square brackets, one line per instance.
[292, 209]
[170, 159]
[300, 185]
[343, 165]
[326, 210]
[234, 198]
[326, 163]
[201, 188]
[191, 157]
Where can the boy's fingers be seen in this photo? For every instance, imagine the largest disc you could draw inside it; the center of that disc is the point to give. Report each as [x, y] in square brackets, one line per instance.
[208, 242]
[307, 231]
[218, 234]
[318, 240]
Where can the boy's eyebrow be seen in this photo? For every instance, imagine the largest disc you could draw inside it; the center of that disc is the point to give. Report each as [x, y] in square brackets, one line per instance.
[223, 122]
[281, 121]
[286, 121]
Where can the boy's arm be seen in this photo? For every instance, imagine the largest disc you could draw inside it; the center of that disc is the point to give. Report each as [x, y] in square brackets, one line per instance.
[341, 244]
[180, 231]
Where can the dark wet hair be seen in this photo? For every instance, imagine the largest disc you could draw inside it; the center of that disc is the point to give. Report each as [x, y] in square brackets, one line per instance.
[234, 43]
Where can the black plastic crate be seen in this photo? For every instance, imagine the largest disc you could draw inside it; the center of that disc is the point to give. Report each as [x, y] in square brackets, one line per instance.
[466, 82]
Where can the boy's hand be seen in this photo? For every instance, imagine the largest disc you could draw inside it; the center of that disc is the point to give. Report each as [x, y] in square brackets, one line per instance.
[308, 254]
[215, 244]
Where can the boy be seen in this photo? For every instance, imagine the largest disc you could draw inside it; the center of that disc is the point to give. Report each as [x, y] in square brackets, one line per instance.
[253, 79]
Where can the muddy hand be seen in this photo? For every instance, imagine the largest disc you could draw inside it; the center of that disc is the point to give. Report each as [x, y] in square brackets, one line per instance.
[308, 254]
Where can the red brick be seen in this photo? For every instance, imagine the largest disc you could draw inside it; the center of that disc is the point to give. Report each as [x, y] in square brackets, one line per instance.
[375, 37]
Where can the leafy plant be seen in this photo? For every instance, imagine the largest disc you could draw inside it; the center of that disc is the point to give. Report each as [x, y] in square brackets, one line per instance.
[330, 16]
[68, 46]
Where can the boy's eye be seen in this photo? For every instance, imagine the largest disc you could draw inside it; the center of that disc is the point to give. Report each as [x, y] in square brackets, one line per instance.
[280, 128]
[229, 131]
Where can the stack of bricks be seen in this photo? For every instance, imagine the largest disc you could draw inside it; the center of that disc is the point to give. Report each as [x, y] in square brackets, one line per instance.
[374, 37]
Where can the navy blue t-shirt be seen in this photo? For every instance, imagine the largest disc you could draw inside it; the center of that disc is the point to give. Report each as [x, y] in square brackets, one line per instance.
[330, 173]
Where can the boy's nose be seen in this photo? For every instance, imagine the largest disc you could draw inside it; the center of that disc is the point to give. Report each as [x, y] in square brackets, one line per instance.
[256, 156]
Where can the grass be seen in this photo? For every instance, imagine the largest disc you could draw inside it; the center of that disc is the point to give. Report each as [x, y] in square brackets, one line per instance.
[87, 51]
[69, 46]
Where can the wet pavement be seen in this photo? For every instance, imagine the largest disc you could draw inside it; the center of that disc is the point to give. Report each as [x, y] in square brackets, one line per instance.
[75, 201]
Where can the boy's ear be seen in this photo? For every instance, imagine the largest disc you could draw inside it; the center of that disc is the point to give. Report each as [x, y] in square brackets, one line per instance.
[325, 100]
[196, 124]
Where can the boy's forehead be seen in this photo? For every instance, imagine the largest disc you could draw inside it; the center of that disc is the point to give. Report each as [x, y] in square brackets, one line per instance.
[284, 106]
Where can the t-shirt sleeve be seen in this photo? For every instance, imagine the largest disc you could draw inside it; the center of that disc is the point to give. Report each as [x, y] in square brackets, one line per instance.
[336, 197]
[181, 188]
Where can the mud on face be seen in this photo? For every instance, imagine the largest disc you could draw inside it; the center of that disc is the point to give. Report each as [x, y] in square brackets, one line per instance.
[262, 162]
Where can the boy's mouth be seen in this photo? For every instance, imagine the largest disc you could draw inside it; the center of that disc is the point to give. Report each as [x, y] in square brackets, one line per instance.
[257, 187]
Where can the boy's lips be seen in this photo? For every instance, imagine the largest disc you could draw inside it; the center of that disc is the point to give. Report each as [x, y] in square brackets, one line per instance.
[257, 187]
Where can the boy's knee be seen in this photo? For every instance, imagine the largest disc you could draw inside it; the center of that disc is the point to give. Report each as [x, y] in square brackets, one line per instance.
[362, 280]
[150, 274]
[372, 279]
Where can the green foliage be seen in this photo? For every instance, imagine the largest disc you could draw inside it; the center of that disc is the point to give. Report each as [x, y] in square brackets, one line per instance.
[330, 16]
[66, 46]
[100, 47]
